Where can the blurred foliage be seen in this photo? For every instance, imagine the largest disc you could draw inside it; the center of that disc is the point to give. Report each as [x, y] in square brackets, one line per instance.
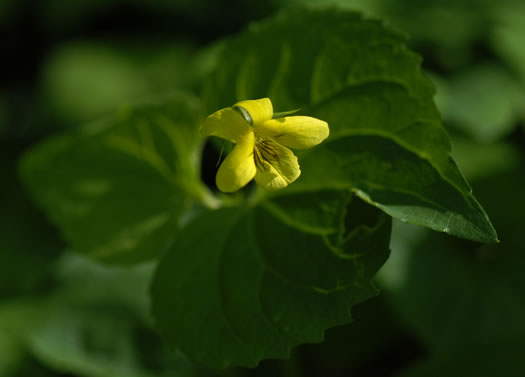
[95, 323]
[448, 307]
[358, 76]
[83, 80]
[89, 181]
[508, 35]
[28, 243]
[466, 301]
[485, 102]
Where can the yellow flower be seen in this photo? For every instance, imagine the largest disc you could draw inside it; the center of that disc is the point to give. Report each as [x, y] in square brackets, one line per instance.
[261, 144]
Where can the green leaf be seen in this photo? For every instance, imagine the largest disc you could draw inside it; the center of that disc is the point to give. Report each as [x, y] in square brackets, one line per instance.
[240, 285]
[116, 188]
[396, 181]
[358, 76]
[318, 212]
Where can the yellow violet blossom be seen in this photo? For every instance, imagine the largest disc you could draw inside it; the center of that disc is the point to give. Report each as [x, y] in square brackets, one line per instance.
[261, 143]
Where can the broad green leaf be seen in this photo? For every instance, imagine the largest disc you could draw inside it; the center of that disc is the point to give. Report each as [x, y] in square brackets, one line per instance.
[117, 187]
[360, 77]
[242, 285]
[318, 212]
[371, 165]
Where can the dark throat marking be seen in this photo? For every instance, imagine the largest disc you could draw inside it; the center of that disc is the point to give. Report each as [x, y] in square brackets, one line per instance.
[263, 152]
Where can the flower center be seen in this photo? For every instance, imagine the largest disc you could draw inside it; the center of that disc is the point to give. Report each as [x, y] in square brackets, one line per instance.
[264, 152]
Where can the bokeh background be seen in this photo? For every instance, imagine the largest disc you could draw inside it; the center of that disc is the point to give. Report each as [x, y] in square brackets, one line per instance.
[447, 307]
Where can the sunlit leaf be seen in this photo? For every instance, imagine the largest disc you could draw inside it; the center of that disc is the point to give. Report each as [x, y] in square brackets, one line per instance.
[386, 139]
[372, 166]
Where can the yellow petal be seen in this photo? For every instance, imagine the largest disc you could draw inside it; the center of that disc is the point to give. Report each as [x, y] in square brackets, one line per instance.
[239, 167]
[277, 166]
[227, 124]
[297, 132]
[260, 110]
